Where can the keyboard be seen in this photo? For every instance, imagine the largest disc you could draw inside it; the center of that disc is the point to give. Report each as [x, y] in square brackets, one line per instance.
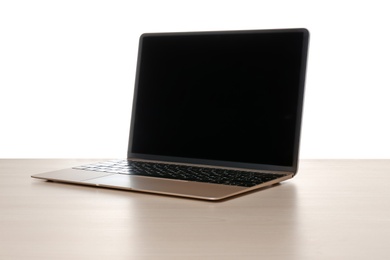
[182, 172]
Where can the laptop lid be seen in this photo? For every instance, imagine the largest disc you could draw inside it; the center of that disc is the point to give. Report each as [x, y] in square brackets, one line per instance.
[228, 98]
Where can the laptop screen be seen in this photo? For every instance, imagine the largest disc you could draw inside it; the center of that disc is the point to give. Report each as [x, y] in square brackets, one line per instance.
[224, 96]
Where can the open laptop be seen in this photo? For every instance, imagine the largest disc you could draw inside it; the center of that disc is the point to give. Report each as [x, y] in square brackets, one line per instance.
[215, 114]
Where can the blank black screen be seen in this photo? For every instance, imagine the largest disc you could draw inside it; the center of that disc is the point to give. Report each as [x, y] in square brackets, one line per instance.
[224, 96]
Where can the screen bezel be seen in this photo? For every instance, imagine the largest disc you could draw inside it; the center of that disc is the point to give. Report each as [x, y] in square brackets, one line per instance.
[291, 169]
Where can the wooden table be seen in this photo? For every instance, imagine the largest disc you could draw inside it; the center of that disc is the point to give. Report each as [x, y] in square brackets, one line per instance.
[333, 209]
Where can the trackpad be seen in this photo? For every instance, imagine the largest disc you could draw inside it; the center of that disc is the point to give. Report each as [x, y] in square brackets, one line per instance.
[164, 186]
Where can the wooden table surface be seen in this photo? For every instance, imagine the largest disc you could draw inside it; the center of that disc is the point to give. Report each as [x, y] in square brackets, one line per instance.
[333, 209]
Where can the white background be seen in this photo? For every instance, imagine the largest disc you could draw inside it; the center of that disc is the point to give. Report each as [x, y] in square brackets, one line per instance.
[67, 70]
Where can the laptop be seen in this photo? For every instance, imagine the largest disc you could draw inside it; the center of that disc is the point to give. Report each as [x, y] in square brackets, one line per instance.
[215, 115]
